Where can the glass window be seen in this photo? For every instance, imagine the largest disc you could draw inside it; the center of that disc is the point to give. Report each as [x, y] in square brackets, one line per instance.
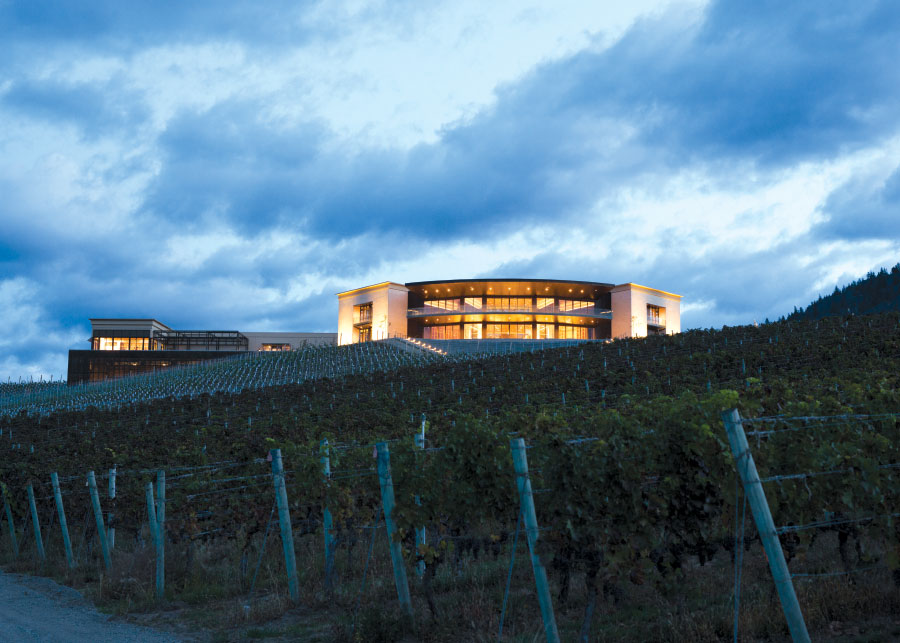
[545, 331]
[474, 302]
[656, 315]
[508, 331]
[472, 331]
[574, 304]
[509, 303]
[275, 347]
[363, 313]
[572, 332]
[544, 302]
[445, 304]
[452, 331]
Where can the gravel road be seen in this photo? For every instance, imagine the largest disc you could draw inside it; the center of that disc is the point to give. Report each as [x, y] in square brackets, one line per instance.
[37, 609]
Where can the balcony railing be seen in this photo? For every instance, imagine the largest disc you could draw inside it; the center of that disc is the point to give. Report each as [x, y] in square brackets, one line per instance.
[363, 319]
[655, 320]
[434, 311]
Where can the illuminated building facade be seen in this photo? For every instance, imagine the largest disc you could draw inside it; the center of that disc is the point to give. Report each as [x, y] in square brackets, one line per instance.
[122, 347]
[527, 309]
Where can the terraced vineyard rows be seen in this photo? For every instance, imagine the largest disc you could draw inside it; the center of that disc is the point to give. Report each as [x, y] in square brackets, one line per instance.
[633, 478]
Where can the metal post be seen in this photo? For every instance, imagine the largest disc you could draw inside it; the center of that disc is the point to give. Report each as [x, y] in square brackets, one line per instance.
[98, 515]
[12, 527]
[110, 516]
[157, 543]
[284, 520]
[63, 525]
[520, 462]
[764, 524]
[387, 502]
[161, 528]
[36, 523]
[420, 531]
[327, 521]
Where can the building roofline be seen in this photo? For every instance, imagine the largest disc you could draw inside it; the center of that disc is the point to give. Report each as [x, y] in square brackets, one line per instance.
[630, 285]
[381, 285]
[549, 281]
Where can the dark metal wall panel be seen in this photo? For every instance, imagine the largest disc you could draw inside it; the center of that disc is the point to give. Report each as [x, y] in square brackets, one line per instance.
[96, 366]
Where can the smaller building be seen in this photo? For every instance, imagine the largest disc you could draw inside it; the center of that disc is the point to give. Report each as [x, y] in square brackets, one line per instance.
[121, 347]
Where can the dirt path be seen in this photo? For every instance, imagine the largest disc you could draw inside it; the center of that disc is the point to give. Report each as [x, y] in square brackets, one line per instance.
[37, 609]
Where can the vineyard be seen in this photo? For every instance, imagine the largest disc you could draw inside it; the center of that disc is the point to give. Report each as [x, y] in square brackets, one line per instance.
[637, 501]
[233, 374]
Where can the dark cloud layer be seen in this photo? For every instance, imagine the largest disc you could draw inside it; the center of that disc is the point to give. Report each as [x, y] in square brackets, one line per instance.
[863, 208]
[742, 95]
[756, 85]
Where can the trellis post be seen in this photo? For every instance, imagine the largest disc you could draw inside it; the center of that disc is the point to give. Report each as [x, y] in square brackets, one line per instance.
[284, 521]
[327, 521]
[63, 525]
[420, 531]
[98, 515]
[161, 526]
[762, 515]
[523, 483]
[110, 516]
[157, 542]
[39, 542]
[387, 503]
[11, 525]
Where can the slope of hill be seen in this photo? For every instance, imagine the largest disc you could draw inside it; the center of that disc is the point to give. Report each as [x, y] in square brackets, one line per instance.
[637, 419]
[878, 292]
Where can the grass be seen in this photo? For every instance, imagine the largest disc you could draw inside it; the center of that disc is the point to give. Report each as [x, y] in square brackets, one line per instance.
[207, 597]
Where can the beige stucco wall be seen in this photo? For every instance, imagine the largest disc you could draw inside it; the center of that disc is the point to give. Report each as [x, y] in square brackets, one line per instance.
[389, 304]
[629, 308]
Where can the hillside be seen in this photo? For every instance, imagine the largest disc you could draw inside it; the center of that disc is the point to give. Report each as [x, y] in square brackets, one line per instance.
[637, 419]
[876, 293]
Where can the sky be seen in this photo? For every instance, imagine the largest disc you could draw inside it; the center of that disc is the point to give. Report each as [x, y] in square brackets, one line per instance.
[234, 165]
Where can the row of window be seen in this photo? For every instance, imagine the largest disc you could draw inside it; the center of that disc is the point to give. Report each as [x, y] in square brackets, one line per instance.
[123, 344]
[505, 331]
[509, 303]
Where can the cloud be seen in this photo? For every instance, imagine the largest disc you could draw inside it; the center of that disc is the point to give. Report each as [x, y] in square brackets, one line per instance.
[741, 93]
[33, 343]
[864, 207]
[95, 109]
[178, 162]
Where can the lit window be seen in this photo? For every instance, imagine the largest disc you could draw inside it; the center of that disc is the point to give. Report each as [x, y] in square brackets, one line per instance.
[474, 302]
[445, 304]
[574, 304]
[275, 347]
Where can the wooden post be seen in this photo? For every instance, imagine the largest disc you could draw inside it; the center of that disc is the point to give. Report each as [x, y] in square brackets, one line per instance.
[523, 483]
[420, 531]
[161, 528]
[387, 502]
[39, 542]
[762, 515]
[98, 515]
[11, 525]
[110, 516]
[327, 522]
[157, 543]
[63, 525]
[284, 521]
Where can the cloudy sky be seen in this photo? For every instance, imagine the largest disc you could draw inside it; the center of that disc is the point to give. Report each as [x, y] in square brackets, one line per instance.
[234, 165]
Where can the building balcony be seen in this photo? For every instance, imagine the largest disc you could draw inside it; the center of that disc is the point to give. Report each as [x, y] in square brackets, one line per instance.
[433, 311]
[363, 320]
[653, 320]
